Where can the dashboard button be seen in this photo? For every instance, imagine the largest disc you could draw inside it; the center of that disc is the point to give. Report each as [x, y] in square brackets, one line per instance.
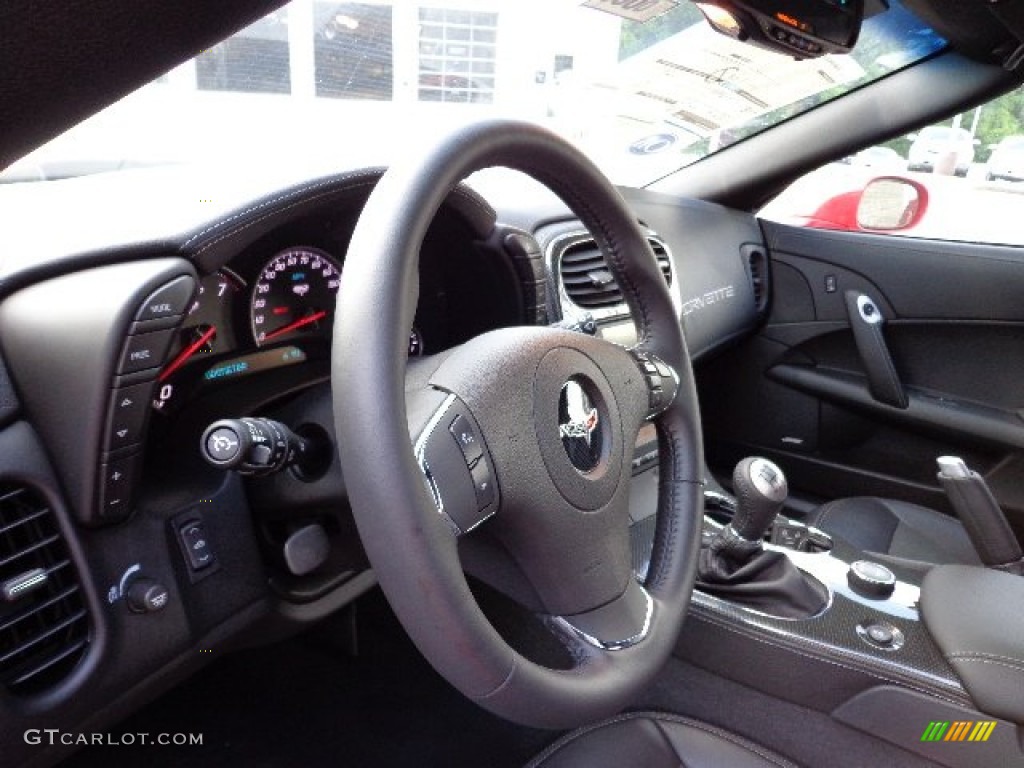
[145, 351]
[196, 545]
[128, 409]
[881, 635]
[468, 440]
[171, 299]
[117, 479]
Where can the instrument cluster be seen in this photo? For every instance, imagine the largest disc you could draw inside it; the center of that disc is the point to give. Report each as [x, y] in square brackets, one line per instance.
[256, 315]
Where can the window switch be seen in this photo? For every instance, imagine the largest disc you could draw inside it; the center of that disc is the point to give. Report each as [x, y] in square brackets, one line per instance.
[196, 545]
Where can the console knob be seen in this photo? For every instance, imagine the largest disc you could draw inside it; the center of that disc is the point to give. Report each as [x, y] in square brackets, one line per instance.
[871, 579]
[146, 596]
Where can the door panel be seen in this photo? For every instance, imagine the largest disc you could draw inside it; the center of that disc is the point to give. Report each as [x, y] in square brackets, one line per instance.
[797, 391]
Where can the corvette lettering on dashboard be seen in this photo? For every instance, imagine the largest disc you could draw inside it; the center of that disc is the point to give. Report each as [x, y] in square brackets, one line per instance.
[716, 296]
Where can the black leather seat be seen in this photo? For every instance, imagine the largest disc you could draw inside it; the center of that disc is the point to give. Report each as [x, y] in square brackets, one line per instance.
[897, 529]
[654, 740]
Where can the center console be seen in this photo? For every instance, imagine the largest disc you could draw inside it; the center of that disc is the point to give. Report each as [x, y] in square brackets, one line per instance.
[864, 655]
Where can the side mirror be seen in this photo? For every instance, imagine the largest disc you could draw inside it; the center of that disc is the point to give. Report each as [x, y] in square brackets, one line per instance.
[891, 203]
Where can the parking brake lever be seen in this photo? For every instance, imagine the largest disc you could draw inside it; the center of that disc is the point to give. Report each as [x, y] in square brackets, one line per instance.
[866, 321]
[985, 523]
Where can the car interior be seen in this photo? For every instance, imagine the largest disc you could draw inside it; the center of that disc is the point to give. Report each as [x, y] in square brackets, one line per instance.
[475, 457]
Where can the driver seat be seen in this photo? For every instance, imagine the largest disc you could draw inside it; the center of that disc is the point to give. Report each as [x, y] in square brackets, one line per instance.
[655, 740]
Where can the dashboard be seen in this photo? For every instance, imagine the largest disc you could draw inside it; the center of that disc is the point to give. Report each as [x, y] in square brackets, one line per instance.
[272, 306]
[124, 336]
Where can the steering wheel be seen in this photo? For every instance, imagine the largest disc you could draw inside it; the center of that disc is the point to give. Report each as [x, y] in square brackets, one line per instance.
[524, 432]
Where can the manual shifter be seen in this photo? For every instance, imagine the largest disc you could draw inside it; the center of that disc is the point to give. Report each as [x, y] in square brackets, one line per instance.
[761, 491]
[736, 567]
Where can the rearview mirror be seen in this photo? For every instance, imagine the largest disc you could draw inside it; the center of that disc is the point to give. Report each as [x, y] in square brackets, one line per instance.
[804, 29]
[890, 203]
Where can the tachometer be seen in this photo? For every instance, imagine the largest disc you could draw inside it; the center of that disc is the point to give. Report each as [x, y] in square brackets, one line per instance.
[294, 296]
[205, 332]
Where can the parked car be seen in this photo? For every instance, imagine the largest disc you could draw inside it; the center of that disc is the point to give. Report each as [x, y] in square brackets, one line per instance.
[879, 158]
[1007, 160]
[935, 146]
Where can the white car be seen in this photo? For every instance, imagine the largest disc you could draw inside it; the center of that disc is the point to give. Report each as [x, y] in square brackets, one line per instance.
[882, 158]
[935, 142]
[1007, 160]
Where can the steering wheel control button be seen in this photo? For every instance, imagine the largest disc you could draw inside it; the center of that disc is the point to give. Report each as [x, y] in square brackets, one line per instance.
[172, 299]
[466, 437]
[454, 462]
[146, 596]
[483, 484]
[144, 351]
[579, 425]
[117, 479]
[662, 382]
[871, 580]
[881, 635]
[196, 545]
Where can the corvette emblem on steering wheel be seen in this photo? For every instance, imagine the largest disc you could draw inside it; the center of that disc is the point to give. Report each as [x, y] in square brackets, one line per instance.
[579, 426]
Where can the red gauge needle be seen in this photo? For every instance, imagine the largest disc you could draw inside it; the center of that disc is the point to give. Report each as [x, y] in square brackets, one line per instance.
[187, 352]
[296, 325]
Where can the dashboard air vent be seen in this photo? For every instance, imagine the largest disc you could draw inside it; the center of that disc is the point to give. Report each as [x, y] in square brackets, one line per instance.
[44, 625]
[587, 280]
[758, 277]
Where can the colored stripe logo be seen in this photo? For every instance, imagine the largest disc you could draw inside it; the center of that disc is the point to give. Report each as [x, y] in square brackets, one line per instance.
[958, 730]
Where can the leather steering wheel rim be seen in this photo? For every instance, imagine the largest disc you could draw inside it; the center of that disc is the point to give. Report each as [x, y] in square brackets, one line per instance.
[412, 550]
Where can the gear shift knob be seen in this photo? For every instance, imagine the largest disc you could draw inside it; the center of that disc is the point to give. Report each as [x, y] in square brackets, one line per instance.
[761, 491]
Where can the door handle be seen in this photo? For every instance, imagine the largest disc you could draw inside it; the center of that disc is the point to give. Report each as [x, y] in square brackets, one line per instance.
[867, 322]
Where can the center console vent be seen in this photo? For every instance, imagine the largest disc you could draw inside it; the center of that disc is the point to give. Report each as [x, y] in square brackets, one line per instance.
[585, 279]
[44, 624]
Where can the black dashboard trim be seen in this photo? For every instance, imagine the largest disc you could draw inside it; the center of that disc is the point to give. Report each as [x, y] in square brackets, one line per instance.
[63, 362]
[210, 247]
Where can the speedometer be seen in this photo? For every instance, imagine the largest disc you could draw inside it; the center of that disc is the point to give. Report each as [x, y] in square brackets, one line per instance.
[294, 296]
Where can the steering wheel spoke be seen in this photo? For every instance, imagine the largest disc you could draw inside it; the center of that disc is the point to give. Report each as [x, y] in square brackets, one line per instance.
[457, 467]
[616, 626]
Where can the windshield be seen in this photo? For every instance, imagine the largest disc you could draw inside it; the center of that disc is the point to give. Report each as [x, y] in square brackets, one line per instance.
[331, 81]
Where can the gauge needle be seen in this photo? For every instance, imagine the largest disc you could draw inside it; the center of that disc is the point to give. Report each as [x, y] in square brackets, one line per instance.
[187, 352]
[296, 325]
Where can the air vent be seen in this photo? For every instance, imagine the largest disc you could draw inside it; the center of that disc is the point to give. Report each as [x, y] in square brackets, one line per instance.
[758, 262]
[44, 626]
[589, 283]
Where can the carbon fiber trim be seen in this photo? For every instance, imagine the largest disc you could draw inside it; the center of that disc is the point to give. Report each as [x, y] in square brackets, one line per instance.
[833, 635]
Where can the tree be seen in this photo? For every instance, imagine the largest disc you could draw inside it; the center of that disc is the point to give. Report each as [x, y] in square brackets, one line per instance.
[1000, 118]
